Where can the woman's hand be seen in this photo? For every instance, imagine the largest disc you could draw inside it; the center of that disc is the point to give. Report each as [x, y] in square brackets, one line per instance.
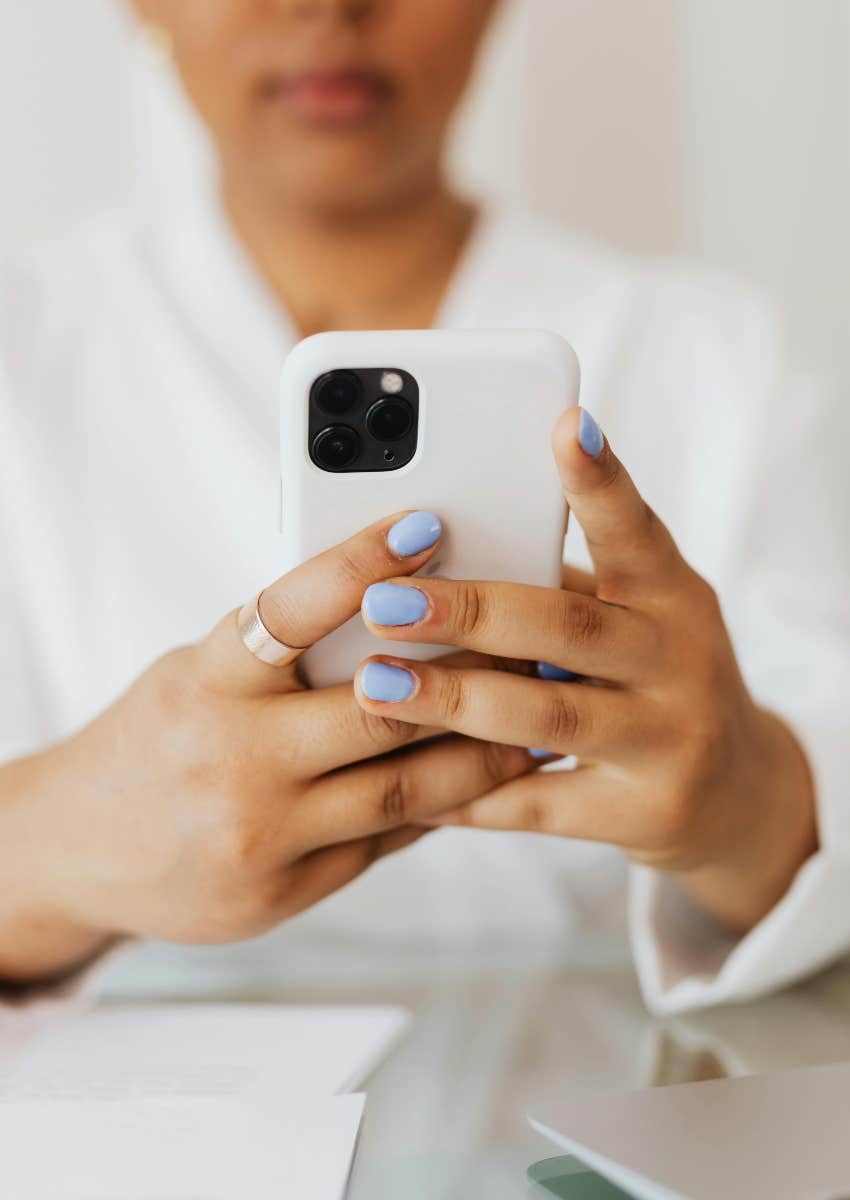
[677, 764]
[218, 796]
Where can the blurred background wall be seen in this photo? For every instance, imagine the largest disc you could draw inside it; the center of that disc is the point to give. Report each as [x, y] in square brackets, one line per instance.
[719, 130]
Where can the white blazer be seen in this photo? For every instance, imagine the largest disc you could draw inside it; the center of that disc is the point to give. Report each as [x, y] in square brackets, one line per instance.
[139, 366]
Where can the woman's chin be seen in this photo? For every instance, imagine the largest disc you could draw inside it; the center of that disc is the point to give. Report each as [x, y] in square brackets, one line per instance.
[343, 179]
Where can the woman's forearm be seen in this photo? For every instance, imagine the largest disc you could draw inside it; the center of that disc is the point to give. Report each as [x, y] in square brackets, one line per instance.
[39, 942]
[780, 835]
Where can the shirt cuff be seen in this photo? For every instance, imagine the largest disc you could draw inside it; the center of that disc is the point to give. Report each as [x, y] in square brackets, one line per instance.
[687, 960]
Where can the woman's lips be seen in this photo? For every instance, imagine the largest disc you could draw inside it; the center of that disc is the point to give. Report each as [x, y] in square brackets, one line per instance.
[331, 97]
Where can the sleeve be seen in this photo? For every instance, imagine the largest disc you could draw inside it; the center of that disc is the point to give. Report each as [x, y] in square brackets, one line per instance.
[787, 599]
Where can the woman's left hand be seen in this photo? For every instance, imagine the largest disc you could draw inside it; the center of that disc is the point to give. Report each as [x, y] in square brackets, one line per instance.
[677, 764]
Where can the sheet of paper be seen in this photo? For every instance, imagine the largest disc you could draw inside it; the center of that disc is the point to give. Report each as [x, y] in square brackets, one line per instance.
[189, 1101]
[202, 1050]
[177, 1149]
[782, 1135]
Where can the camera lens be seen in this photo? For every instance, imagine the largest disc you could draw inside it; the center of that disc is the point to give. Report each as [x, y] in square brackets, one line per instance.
[337, 392]
[336, 448]
[390, 419]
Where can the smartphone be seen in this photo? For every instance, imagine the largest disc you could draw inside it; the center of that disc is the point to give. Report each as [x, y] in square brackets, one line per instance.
[455, 422]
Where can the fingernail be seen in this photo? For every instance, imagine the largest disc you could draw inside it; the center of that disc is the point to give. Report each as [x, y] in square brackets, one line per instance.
[380, 681]
[559, 674]
[414, 533]
[535, 753]
[590, 436]
[393, 604]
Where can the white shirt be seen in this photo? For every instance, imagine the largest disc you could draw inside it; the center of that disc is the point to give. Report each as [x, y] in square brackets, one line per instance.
[139, 366]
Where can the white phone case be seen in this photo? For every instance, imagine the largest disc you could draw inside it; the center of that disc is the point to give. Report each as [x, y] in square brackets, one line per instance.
[487, 405]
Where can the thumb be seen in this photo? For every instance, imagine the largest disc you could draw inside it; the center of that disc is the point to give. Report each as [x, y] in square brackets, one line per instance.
[625, 538]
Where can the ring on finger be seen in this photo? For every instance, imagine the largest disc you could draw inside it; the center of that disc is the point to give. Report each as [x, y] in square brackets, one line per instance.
[256, 638]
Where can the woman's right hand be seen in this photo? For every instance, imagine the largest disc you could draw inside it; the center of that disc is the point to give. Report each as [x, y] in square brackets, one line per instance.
[218, 796]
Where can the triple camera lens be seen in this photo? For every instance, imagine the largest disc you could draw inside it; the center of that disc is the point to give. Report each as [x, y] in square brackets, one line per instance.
[336, 448]
[389, 420]
[363, 419]
[337, 392]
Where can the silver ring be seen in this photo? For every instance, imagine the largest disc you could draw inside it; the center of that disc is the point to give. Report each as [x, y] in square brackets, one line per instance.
[260, 642]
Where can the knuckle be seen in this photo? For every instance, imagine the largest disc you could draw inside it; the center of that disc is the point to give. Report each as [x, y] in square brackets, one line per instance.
[469, 609]
[582, 621]
[348, 565]
[395, 797]
[561, 722]
[454, 698]
[386, 732]
[212, 754]
[169, 685]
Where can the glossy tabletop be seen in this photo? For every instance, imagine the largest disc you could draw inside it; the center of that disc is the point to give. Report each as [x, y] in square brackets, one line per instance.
[494, 1035]
[447, 1113]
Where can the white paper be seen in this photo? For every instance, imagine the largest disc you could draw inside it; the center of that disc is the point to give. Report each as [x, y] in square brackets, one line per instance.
[196, 1102]
[177, 1149]
[158, 1050]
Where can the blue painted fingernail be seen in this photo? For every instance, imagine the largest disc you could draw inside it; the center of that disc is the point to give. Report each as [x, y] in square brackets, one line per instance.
[394, 604]
[414, 533]
[558, 674]
[535, 753]
[380, 681]
[590, 436]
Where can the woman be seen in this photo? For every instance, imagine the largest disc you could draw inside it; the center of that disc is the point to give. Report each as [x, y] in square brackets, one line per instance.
[209, 797]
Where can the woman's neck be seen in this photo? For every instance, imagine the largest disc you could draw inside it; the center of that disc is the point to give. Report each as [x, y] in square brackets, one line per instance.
[383, 270]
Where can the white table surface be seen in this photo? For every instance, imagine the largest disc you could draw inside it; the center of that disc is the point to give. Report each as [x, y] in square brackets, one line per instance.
[495, 1033]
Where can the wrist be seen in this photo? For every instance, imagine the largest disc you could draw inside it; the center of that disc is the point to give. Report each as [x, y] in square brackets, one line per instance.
[41, 941]
[42, 950]
[775, 837]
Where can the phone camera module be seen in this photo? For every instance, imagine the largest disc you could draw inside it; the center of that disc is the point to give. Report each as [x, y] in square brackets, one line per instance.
[390, 419]
[336, 448]
[362, 419]
[337, 392]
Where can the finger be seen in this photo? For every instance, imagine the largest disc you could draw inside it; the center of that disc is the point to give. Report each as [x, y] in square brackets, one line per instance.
[317, 597]
[514, 620]
[628, 543]
[564, 718]
[324, 730]
[402, 789]
[327, 870]
[589, 804]
[327, 729]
